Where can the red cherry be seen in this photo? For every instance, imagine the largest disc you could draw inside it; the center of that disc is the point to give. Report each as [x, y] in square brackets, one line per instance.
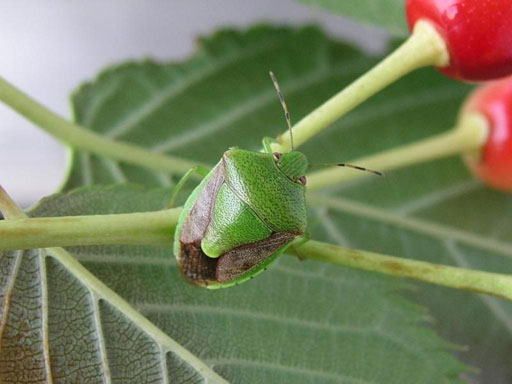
[478, 35]
[494, 164]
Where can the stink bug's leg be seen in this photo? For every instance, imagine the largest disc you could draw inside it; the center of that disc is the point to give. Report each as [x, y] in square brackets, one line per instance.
[297, 243]
[202, 171]
[267, 144]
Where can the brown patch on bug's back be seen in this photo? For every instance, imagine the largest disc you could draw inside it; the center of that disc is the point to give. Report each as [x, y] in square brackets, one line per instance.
[236, 262]
[195, 265]
[199, 216]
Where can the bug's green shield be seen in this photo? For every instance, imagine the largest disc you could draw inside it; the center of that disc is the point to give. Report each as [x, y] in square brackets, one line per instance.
[238, 220]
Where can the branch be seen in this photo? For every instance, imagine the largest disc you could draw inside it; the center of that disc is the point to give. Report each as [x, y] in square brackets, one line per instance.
[86, 140]
[155, 228]
[469, 136]
[8, 207]
[495, 284]
[424, 47]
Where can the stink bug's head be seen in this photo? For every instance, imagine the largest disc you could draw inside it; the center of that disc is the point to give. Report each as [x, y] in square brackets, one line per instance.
[293, 164]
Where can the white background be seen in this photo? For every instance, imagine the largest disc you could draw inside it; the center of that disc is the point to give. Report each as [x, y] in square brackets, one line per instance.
[48, 47]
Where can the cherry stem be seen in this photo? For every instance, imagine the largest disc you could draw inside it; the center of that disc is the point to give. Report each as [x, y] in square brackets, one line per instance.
[424, 47]
[156, 228]
[495, 284]
[81, 138]
[468, 137]
[8, 207]
[21, 232]
[145, 228]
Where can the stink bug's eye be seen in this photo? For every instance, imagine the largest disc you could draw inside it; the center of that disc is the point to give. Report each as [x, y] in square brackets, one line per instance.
[277, 156]
[302, 180]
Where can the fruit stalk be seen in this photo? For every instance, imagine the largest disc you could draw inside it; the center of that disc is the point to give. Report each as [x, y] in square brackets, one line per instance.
[81, 138]
[425, 47]
[156, 228]
[495, 284]
[469, 137]
[8, 207]
[21, 232]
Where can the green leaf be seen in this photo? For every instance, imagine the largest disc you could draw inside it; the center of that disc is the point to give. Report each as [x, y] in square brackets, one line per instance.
[388, 14]
[223, 97]
[301, 322]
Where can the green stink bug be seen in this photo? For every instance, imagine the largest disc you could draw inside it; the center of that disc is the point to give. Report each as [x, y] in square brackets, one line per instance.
[245, 213]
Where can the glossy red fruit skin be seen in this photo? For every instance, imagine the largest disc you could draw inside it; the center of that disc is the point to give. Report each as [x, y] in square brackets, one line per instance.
[494, 165]
[478, 34]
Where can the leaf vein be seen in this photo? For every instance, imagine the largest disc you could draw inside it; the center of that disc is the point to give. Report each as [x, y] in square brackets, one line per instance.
[421, 226]
[255, 102]
[44, 315]
[85, 163]
[141, 322]
[114, 169]
[260, 316]
[494, 305]
[8, 294]
[288, 368]
[438, 196]
[172, 89]
[101, 338]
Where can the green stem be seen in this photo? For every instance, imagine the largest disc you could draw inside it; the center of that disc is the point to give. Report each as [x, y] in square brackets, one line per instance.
[495, 284]
[425, 47]
[84, 139]
[8, 207]
[155, 228]
[467, 138]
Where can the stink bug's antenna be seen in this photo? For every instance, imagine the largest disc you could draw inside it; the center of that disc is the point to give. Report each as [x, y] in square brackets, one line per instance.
[347, 165]
[289, 123]
[285, 108]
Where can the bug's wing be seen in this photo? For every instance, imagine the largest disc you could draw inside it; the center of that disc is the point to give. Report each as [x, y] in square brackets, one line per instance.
[251, 257]
[233, 223]
[199, 216]
[194, 264]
